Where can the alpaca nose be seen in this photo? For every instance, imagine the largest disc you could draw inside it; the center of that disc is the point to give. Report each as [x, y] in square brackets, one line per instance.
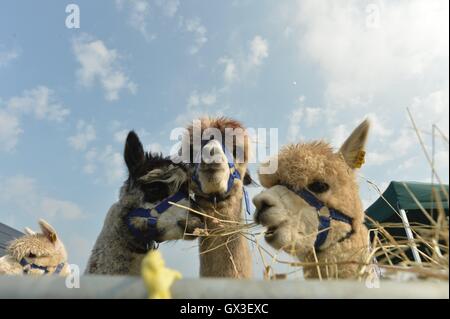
[262, 204]
[212, 153]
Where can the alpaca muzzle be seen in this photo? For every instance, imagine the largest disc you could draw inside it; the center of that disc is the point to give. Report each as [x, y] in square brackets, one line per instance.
[149, 237]
[324, 220]
[201, 163]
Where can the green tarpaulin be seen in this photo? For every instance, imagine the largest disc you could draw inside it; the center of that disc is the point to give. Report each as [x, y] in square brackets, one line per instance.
[399, 197]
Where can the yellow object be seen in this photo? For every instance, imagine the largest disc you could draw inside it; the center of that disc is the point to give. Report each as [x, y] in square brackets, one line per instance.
[157, 278]
[360, 159]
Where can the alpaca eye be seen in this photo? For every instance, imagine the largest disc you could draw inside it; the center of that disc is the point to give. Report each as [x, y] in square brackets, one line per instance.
[155, 191]
[318, 187]
[31, 255]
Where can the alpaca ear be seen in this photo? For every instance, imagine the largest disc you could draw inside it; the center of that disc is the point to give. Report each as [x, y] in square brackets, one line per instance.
[48, 231]
[248, 180]
[134, 152]
[29, 231]
[353, 149]
[267, 173]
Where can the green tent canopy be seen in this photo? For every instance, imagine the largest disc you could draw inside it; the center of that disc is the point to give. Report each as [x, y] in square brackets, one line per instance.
[399, 205]
[398, 196]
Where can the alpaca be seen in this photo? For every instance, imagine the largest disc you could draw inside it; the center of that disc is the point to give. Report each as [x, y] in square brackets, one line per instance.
[36, 254]
[218, 190]
[128, 231]
[312, 209]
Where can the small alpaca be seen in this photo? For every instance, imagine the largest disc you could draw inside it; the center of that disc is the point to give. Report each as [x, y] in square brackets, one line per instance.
[36, 254]
[312, 209]
[128, 233]
[157, 278]
[217, 184]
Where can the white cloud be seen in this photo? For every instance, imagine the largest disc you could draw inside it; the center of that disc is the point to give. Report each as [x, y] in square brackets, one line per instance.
[295, 119]
[303, 116]
[9, 131]
[239, 66]
[22, 194]
[201, 103]
[120, 136]
[40, 102]
[85, 135]
[139, 12]
[169, 7]
[375, 59]
[432, 109]
[339, 134]
[55, 208]
[199, 30]
[201, 99]
[6, 57]
[259, 50]
[359, 59]
[100, 64]
[230, 72]
[109, 161]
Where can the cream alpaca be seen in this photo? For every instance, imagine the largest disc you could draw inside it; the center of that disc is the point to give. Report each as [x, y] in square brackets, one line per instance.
[40, 252]
[221, 256]
[293, 223]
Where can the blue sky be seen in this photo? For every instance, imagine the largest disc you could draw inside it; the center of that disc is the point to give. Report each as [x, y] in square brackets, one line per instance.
[312, 69]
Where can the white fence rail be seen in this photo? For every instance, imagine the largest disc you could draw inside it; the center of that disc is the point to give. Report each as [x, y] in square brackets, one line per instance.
[132, 287]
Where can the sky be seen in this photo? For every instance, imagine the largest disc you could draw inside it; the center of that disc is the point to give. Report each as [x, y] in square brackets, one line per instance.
[312, 69]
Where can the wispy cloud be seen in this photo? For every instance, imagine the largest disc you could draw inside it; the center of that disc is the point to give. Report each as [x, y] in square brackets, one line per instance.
[169, 7]
[85, 135]
[139, 12]
[360, 59]
[107, 163]
[40, 102]
[259, 50]
[195, 27]
[199, 104]
[9, 131]
[362, 62]
[100, 64]
[6, 57]
[230, 71]
[22, 194]
[237, 67]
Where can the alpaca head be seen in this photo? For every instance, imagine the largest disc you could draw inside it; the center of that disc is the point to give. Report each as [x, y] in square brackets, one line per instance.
[44, 249]
[152, 179]
[213, 143]
[329, 176]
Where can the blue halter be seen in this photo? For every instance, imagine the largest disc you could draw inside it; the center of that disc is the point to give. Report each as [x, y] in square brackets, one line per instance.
[24, 263]
[149, 237]
[324, 221]
[234, 174]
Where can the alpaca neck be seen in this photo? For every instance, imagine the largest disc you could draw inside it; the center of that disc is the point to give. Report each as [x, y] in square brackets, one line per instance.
[111, 253]
[345, 259]
[224, 256]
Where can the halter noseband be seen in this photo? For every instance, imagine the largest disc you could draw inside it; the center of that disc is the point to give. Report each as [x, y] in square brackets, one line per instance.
[149, 237]
[234, 174]
[24, 263]
[324, 221]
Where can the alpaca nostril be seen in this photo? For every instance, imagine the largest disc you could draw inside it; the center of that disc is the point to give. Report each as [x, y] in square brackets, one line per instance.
[264, 207]
[261, 208]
